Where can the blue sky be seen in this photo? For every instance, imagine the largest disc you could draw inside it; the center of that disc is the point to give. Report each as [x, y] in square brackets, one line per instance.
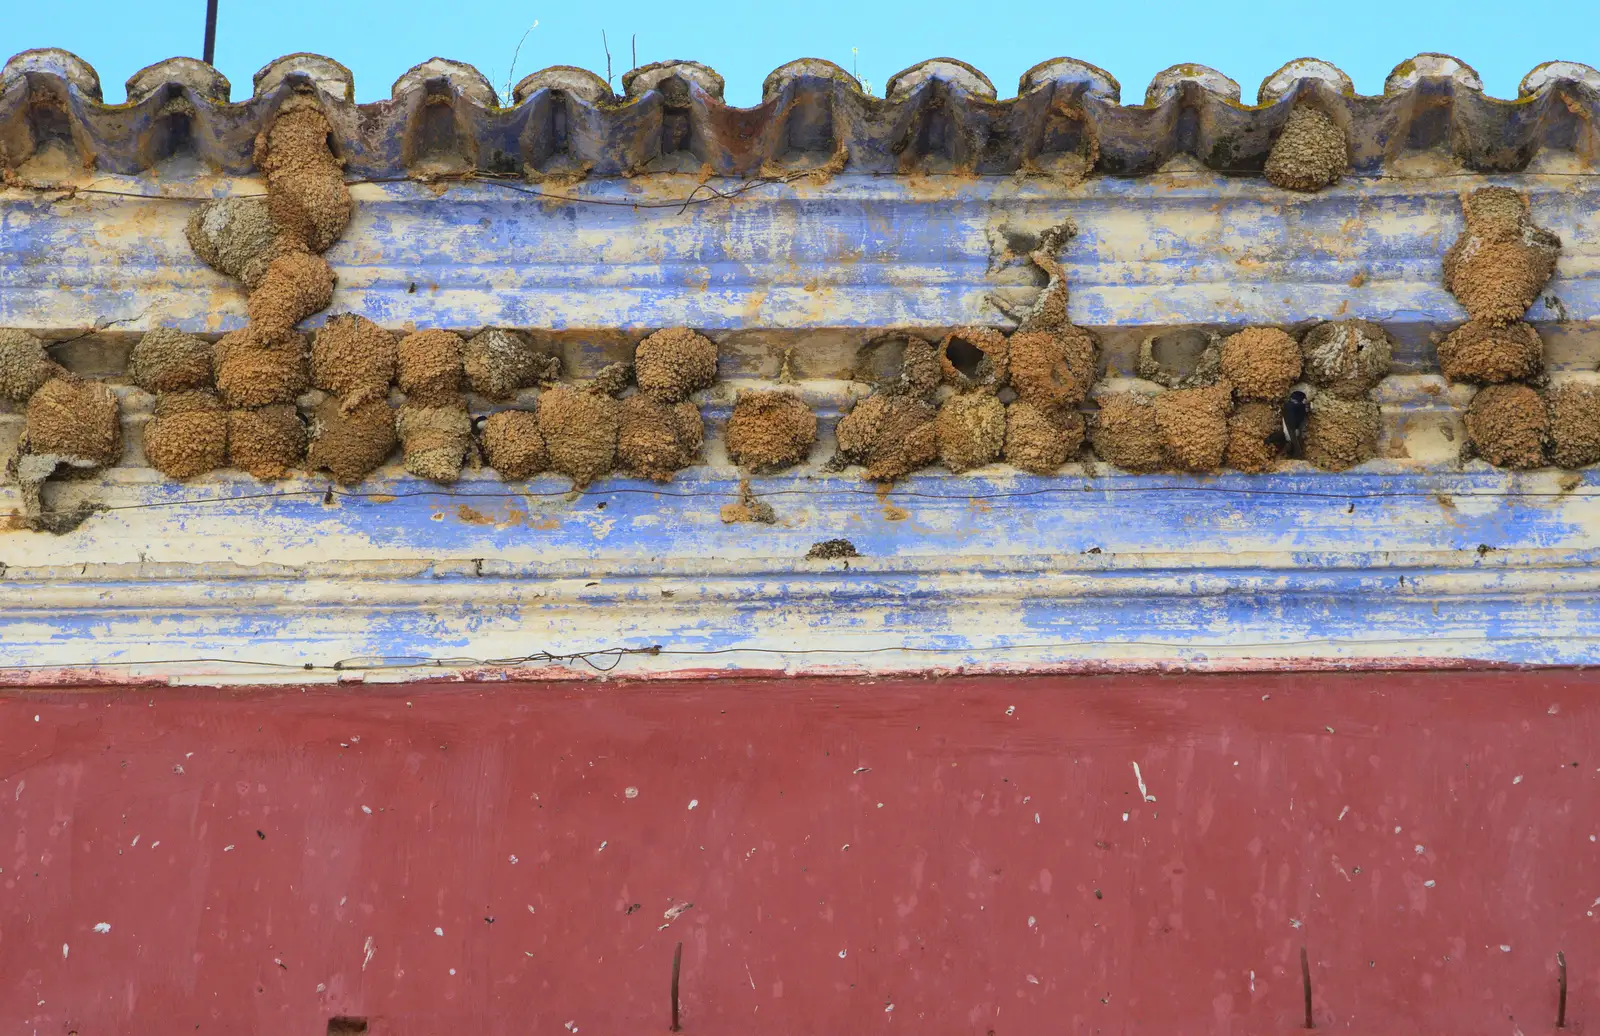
[746, 39]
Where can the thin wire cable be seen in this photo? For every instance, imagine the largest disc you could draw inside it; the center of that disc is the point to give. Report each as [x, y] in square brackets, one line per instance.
[1081, 487]
[399, 662]
[693, 198]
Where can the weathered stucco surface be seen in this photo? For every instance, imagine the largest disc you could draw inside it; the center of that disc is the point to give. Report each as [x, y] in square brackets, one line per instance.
[1416, 555]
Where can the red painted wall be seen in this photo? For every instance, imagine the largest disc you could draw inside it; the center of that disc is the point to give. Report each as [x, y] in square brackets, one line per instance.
[939, 856]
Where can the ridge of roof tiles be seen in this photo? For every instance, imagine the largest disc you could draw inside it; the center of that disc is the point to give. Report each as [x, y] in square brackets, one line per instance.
[940, 115]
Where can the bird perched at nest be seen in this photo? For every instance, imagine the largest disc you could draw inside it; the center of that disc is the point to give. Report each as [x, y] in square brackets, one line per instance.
[1291, 434]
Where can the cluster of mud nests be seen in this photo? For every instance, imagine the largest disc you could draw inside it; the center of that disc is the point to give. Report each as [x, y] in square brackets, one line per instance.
[1223, 404]
[1496, 269]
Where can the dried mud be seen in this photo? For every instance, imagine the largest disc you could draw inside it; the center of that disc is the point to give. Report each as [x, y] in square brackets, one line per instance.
[891, 435]
[188, 434]
[1124, 432]
[167, 360]
[351, 445]
[770, 430]
[1346, 357]
[655, 439]
[269, 442]
[1248, 428]
[1194, 426]
[1052, 370]
[435, 441]
[1040, 441]
[513, 445]
[1310, 153]
[1488, 353]
[354, 359]
[429, 367]
[1341, 433]
[674, 362]
[580, 432]
[1507, 425]
[1574, 425]
[1263, 363]
[498, 362]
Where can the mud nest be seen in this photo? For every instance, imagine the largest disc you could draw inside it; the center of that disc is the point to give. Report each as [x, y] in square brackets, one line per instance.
[1186, 358]
[167, 360]
[269, 442]
[1501, 261]
[613, 379]
[1194, 426]
[972, 357]
[76, 422]
[1481, 351]
[1248, 428]
[1346, 357]
[891, 435]
[1039, 440]
[580, 432]
[353, 358]
[1263, 363]
[429, 367]
[435, 440]
[674, 362]
[24, 366]
[498, 362]
[656, 439]
[513, 445]
[1124, 432]
[1508, 425]
[899, 363]
[250, 374]
[1341, 433]
[1310, 153]
[305, 187]
[188, 435]
[770, 430]
[350, 445]
[1052, 370]
[1574, 425]
[238, 237]
[295, 286]
[971, 430]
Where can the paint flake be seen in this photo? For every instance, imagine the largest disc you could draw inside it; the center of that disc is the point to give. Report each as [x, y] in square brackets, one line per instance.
[694, 803]
[1143, 791]
[103, 927]
[438, 931]
[630, 792]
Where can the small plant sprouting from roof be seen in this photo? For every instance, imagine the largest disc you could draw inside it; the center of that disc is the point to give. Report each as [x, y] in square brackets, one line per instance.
[866, 84]
[511, 75]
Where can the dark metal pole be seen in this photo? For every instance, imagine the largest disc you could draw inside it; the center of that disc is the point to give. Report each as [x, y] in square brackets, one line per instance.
[211, 32]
